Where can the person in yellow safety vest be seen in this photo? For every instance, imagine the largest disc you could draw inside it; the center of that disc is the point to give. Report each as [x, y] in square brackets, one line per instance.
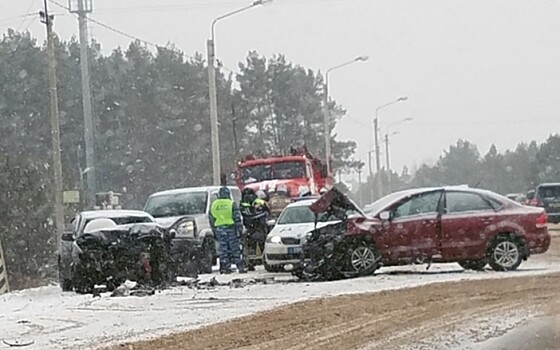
[227, 225]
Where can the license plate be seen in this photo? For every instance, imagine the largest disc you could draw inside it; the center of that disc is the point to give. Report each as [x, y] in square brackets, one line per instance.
[295, 250]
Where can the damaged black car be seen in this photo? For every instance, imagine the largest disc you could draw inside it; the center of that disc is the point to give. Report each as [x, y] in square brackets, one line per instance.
[106, 254]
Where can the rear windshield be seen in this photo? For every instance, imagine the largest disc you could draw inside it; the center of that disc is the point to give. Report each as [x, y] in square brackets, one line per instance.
[549, 191]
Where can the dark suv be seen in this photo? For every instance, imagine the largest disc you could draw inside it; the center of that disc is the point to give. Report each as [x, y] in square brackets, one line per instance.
[547, 195]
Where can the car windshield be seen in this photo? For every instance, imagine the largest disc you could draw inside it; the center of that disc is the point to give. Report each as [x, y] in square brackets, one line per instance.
[549, 191]
[380, 204]
[274, 171]
[300, 214]
[188, 203]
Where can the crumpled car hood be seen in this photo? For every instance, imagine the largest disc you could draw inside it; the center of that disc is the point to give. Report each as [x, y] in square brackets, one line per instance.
[335, 203]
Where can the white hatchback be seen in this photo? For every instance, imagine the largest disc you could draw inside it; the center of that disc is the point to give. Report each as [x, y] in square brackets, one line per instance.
[284, 242]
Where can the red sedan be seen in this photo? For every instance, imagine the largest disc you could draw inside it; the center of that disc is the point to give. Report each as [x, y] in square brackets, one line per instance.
[448, 224]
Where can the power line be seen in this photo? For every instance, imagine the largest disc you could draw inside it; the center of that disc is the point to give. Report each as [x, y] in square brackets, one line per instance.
[25, 18]
[15, 19]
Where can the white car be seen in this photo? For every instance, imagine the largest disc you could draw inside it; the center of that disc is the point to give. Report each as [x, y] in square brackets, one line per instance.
[284, 242]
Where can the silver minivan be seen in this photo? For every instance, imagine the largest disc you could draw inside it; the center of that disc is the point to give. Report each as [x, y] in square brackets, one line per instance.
[193, 203]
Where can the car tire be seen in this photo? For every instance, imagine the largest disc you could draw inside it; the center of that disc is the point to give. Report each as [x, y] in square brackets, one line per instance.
[208, 255]
[476, 265]
[505, 253]
[363, 258]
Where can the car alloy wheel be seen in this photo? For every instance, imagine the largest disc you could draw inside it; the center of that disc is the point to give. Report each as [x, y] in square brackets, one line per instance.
[506, 254]
[363, 258]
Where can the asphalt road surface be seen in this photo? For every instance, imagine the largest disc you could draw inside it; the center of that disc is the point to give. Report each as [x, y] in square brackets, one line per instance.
[510, 313]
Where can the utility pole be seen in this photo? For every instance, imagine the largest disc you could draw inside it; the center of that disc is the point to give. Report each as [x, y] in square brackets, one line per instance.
[387, 152]
[55, 129]
[388, 165]
[376, 137]
[377, 155]
[360, 195]
[82, 8]
[215, 137]
[326, 127]
[372, 188]
[233, 122]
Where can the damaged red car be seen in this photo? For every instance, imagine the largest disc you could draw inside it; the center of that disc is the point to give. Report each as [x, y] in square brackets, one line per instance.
[469, 226]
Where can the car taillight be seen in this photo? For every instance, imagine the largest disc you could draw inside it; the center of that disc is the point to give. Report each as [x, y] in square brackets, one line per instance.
[541, 220]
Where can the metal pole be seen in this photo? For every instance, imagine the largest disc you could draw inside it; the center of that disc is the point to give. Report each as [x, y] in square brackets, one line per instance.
[326, 118]
[233, 125]
[387, 152]
[377, 155]
[371, 192]
[360, 195]
[215, 137]
[326, 112]
[369, 164]
[55, 129]
[86, 100]
[388, 165]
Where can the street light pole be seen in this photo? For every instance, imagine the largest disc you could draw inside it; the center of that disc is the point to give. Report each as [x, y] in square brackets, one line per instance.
[55, 127]
[376, 140]
[326, 114]
[387, 156]
[214, 131]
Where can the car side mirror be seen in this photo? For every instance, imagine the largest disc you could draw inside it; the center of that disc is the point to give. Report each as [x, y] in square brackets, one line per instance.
[385, 215]
[172, 233]
[271, 223]
[68, 237]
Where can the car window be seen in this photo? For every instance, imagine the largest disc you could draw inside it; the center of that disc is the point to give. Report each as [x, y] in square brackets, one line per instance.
[419, 204]
[465, 201]
[549, 191]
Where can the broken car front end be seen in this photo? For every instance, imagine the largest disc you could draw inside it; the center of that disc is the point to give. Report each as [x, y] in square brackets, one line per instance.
[340, 250]
[110, 256]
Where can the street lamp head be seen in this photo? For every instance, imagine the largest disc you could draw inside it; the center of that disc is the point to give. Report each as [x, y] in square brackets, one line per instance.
[362, 58]
[261, 2]
[408, 119]
[403, 98]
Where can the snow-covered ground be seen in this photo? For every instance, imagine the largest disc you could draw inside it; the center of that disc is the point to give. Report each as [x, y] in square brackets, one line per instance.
[56, 320]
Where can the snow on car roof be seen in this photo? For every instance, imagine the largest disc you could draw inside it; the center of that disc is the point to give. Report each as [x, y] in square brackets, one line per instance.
[189, 190]
[94, 214]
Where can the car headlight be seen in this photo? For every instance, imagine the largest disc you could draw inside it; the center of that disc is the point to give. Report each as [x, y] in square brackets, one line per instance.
[186, 229]
[274, 239]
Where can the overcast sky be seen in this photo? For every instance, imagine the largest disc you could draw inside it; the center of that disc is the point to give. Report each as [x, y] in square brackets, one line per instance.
[483, 70]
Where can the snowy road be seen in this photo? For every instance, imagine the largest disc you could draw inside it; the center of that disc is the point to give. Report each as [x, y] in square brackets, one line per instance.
[56, 320]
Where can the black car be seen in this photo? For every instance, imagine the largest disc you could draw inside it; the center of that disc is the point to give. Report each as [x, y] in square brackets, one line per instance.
[110, 246]
[110, 256]
[547, 195]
